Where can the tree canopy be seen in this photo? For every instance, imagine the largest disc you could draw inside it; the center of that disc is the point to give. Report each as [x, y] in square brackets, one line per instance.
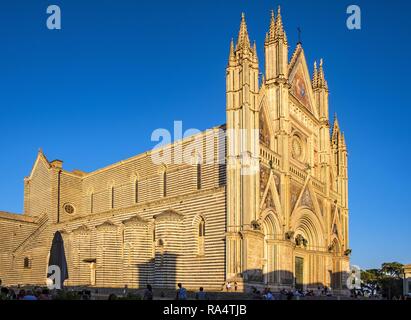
[387, 279]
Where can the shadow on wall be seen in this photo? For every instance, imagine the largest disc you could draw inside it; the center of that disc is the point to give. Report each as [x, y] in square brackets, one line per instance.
[160, 272]
[286, 279]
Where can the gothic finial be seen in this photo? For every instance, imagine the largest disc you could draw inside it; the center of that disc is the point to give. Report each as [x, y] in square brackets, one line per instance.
[336, 124]
[322, 83]
[341, 137]
[343, 140]
[279, 28]
[271, 30]
[336, 128]
[255, 49]
[315, 76]
[231, 49]
[243, 41]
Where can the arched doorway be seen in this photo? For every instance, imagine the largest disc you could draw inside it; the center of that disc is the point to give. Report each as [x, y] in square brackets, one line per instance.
[272, 230]
[336, 273]
[309, 238]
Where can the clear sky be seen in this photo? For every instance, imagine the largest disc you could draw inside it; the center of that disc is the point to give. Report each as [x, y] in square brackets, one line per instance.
[92, 93]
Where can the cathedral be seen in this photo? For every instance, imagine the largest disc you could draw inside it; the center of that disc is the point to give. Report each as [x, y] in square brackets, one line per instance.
[262, 200]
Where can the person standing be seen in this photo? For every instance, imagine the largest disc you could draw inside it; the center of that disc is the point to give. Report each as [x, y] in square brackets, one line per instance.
[181, 292]
[148, 293]
[29, 295]
[201, 295]
[125, 291]
[268, 294]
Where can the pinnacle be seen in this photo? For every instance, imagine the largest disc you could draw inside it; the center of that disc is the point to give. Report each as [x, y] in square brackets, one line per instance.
[243, 41]
[232, 48]
[321, 82]
[315, 76]
[271, 30]
[279, 28]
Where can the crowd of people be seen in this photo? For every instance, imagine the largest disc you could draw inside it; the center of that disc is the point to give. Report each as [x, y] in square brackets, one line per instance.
[36, 294]
[181, 293]
[285, 294]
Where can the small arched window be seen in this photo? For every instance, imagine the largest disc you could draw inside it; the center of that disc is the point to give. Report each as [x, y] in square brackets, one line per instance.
[91, 202]
[164, 184]
[201, 228]
[27, 263]
[201, 236]
[112, 197]
[136, 191]
[198, 176]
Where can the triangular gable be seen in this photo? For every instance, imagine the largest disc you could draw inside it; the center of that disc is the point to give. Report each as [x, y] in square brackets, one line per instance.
[135, 221]
[307, 198]
[300, 80]
[336, 222]
[40, 160]
[83, 230]
[271, 196]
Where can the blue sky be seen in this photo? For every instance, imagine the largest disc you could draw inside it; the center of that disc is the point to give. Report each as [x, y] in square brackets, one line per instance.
[92, 93]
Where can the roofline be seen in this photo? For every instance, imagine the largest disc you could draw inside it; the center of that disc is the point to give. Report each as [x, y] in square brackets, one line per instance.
[16, 217]
[147, 153]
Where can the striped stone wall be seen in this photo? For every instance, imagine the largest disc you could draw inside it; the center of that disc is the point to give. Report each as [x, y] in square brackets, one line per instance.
[130, 225]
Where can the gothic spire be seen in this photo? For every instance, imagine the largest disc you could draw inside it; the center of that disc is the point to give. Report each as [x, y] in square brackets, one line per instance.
[315, 76]
[255, 50]
[336, 129]
[243, 41]
[322, 83]
[231, 56]
[279, 28]
[271, 31]
[343, 140]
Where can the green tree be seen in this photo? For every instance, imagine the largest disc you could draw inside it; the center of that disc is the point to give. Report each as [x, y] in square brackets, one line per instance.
[371, 280]
[392, 269]
[386, 280]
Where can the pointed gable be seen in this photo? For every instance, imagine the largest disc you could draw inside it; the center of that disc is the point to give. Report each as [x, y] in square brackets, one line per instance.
[38, 187]
[300, 80]
[42, 161]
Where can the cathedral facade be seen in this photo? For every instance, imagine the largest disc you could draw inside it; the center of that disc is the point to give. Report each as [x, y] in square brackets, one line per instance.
[261, 200]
